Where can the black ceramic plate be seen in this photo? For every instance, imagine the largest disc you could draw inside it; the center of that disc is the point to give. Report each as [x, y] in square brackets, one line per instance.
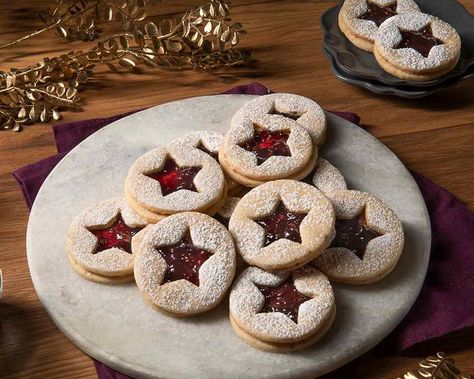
[382, 89]
[358, 63]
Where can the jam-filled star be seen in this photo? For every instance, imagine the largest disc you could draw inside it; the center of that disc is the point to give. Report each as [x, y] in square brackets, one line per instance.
[379, 14]
[118, 235]
[285, 299]
[173, 177]
[420, 40]
[183, 260]
[266, 143]
[282, 223]
[354, 234]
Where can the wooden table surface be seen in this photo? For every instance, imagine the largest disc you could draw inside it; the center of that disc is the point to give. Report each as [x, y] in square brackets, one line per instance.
[434, 136]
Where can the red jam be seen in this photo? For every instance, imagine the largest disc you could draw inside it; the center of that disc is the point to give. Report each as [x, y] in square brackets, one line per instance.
[284, 298]
[282, 224]
[379, 14]
[183, 260]
[117, 235]
[206, 150]
[293, 115]
[354, 234]
[266, 144]
[174, 178]
[422, 40]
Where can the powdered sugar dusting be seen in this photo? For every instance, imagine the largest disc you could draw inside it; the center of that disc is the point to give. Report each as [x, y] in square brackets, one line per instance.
[215, 275]
[388, 37]
[327, 178]
[146, 191]
[246, 301]
[81, 243]
[311, 115]
[382, 253]
[316, 229]
[245, 162]
[210, 139]
[352, 9]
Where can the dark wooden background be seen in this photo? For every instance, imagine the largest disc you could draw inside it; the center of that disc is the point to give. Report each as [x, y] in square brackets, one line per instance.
[434, 136]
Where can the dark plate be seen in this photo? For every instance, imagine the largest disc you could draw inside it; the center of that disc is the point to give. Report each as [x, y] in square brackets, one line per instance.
[382, 89]
[356, 62]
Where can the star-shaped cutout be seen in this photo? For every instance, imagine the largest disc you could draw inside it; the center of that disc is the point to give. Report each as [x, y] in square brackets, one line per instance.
[379, 14]
[285, 299]
[293, 115]
[266, 143]
[201, 147]
[173, 178]
[421, 40]
[354, 234]
[183, 260]
[118, 235]
[282, 223]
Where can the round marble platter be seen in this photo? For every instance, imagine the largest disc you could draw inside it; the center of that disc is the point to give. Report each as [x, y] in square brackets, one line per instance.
[114, 325]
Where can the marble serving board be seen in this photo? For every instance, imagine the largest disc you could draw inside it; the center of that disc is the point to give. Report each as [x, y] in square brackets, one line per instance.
[114, 325]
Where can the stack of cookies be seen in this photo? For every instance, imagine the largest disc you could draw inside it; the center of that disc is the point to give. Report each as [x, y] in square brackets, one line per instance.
[258, 200]
[406, 43]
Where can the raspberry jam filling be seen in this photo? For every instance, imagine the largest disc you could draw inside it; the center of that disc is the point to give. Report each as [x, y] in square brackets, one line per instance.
[183, 260]
[421, 40]
[282, 223]
[117, 235]
[284, 298]
[266, 143]
[174, 178]
[354, 235]
[293, 115]
[379, 14]
[206, 150]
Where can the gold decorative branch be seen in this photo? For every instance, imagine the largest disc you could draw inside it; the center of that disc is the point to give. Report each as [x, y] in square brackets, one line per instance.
[203, 38]
[437, 367]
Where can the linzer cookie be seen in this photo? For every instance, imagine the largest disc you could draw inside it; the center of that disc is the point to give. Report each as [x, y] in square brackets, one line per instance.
[282, 225]
[283, 311]
[302, 110]
[327, 178]
[360, 20]
[368, 242]
[101, 241]
[208, 141]
[267, 148]
[417, 47]
[185, 264]
[174, 179]
[225, 212]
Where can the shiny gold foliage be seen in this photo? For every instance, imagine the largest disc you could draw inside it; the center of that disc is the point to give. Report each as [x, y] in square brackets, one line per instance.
[437, 367]
[202, 38]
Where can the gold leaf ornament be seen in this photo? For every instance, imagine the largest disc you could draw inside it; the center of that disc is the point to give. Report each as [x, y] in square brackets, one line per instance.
[203, 38]
[437, 367]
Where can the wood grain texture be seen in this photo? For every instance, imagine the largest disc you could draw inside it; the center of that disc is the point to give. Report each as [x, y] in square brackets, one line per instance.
[434, 136]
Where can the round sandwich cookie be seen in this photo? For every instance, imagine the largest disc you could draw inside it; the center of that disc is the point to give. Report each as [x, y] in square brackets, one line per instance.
[368, 242]
[327, 178]
[185, 264]
[417, 47]
[282, 311]
[102, 239]
[282, 225]
[360, 20]
[267, 148]
[302, 110]
[172, 179]
[208, 141]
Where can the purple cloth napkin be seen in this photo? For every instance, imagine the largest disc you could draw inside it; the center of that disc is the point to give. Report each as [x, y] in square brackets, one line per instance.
[444, 305]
